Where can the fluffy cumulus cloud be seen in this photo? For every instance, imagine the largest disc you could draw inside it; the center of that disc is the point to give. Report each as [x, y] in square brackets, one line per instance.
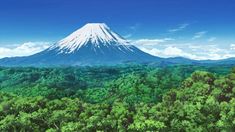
[197, 47]
[24, 49]
[189, 50]
[169, 52]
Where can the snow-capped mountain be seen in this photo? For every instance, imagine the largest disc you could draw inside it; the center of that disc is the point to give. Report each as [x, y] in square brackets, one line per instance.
[97, 34]
[93, 44]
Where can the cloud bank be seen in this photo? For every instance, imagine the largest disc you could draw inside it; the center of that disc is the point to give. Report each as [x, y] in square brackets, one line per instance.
[165, 49]
[24, 49]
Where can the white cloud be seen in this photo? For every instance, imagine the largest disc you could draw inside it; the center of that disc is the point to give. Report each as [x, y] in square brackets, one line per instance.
[172, 51]
[24, 49]
[191, 50]
[199, 34]
[179, 28]
[211, 39]
[169, 52]
[151, 42]
[232, 46]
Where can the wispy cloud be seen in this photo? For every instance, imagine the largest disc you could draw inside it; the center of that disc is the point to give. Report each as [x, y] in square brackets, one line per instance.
[131, 30]
[127, 36]
[211, 39]
[179, 28]
[24, 49]
[151, 42]
[199, 34]
[134, 27]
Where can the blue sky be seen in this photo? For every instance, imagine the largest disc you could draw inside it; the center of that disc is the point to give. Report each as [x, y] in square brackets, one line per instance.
[197, 29]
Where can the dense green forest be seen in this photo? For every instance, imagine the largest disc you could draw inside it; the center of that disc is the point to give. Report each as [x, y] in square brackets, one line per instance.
[118, 98]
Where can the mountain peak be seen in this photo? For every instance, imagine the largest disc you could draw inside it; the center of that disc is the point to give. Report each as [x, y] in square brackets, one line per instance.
[92, 27]
[96, 34]
[92, 44]
[96, 24]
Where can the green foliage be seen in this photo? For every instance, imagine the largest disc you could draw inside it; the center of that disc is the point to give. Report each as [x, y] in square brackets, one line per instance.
[128, 83]
[135, 98]
[56, 82]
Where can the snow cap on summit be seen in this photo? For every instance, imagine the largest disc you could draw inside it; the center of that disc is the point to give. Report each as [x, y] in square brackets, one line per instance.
[91, 33]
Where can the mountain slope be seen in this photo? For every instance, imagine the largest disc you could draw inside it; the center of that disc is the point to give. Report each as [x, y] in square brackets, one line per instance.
[93, 44]
[97, 44]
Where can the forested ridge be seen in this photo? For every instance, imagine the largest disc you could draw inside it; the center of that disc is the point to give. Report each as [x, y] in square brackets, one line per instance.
[122, 98]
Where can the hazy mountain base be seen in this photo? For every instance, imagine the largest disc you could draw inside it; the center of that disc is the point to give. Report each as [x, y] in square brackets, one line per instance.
[130, 100]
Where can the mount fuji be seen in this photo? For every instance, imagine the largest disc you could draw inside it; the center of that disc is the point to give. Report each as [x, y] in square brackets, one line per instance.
[93, 44]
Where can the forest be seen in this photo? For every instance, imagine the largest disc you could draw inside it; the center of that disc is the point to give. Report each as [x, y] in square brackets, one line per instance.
[118, 98]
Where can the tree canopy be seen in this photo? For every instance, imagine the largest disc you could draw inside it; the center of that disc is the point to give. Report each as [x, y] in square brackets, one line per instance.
[143, 99]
